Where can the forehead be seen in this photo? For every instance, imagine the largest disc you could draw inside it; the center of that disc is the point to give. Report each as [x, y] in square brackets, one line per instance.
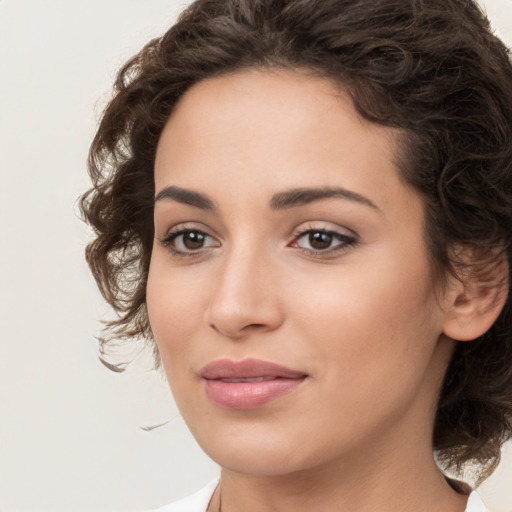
[256, 97]
[274, 129]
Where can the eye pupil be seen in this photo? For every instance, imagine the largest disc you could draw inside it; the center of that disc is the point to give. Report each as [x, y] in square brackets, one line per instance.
[320, 240]
[193, 240]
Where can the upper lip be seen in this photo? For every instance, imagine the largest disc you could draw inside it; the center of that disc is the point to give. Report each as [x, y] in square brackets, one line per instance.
[247, 369]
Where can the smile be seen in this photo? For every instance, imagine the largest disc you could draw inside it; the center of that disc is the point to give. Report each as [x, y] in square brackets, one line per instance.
[248, 384]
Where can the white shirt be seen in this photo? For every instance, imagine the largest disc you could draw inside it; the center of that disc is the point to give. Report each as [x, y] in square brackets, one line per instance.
[198, 502]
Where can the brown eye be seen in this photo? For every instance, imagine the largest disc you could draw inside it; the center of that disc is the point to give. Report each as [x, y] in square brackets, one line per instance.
[320, 240]
[189, 241]
[323, 242]
[193, 240]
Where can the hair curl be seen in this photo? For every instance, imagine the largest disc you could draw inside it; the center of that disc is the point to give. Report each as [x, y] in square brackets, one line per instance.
[431, 68]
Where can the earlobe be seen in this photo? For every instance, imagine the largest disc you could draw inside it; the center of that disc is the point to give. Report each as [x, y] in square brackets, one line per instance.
[476, 301]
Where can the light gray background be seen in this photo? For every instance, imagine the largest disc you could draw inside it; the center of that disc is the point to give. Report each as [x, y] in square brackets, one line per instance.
[71, 432]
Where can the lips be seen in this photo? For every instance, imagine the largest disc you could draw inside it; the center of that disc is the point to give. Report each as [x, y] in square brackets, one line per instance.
[248, 384]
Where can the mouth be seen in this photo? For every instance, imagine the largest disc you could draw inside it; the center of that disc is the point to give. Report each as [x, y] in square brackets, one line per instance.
[248, 384]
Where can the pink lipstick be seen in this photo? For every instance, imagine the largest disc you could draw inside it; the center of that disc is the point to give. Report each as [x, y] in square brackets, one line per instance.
[248, 384]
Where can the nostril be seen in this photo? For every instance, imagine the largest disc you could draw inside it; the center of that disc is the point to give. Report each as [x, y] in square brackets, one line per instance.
[236, 332]
[253, 326]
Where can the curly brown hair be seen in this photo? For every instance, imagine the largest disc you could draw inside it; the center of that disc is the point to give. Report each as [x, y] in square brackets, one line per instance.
[432, 69]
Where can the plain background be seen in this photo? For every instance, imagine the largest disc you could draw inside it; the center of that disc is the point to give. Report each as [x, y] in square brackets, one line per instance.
[72, 433]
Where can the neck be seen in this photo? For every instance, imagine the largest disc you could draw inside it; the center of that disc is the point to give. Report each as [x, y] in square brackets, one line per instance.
[342, 486]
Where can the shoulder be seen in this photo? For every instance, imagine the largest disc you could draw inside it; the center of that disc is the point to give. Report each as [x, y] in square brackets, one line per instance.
[197, 502]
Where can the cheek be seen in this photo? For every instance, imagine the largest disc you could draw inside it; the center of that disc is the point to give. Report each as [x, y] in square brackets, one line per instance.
[371, 320]
[369, 339]
[176, 302]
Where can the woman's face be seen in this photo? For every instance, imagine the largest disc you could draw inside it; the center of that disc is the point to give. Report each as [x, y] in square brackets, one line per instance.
[290, 291]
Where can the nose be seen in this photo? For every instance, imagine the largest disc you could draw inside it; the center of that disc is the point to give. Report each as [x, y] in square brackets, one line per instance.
[246, 296]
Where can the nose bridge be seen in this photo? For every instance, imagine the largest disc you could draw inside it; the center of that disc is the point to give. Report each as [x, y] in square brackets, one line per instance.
[244, 296]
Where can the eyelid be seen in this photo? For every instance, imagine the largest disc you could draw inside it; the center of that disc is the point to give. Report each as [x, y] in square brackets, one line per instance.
[180, 229]
[184, 227]
[323, 225]
[347, 239]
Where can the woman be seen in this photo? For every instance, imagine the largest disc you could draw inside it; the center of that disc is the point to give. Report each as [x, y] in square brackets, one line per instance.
[307, 207]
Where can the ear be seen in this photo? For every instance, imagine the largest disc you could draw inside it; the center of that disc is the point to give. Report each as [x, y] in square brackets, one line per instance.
[474, 302]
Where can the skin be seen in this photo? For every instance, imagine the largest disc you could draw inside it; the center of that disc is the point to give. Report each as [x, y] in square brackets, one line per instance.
[362, 318]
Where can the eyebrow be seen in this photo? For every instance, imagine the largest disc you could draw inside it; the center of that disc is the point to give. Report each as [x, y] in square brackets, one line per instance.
[303, 196]
[184, 196]
[288, 199]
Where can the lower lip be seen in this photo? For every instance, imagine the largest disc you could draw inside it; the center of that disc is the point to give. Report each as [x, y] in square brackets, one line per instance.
[249, 395]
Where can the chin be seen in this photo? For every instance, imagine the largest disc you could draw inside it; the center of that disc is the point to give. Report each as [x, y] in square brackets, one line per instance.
[257, 462]
[252, 451]
[262, 452]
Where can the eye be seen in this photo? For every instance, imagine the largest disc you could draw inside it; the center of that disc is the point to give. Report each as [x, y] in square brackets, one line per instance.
[186, 242]
[317, 241]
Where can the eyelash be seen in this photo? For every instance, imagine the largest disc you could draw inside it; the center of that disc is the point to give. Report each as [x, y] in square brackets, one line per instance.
[345, 242]
[170, 238]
